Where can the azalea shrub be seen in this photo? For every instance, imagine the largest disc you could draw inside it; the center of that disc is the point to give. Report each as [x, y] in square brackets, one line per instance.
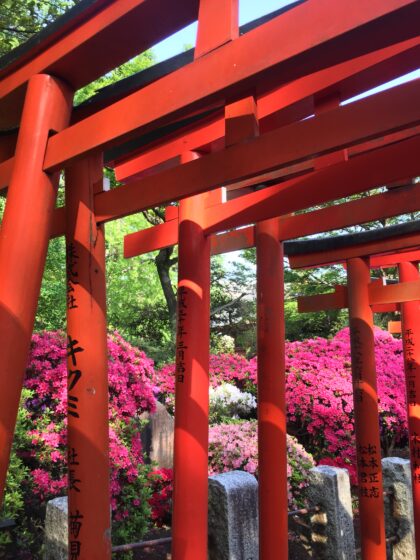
[224, 368]
[319, 393]
[41, 437]
[227, 401]
[320, 420]
[160, 481]
[320, 402]
[235, 447]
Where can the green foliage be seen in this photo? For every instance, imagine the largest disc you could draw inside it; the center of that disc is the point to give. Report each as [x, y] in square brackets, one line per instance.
[136, 306]
[51, 314]
[20, 19]
[300, 326]
[133, 524]
[233, 309]
[136, 64]
[18, 483]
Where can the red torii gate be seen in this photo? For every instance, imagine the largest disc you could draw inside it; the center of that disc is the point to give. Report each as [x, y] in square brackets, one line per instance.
[142, 242]
[360, 252]
[363, 47]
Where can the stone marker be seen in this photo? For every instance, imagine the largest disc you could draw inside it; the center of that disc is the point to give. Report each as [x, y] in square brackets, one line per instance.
[233, 516]
[399, 515]
[332, 528]
[157, 436]
[55, 540]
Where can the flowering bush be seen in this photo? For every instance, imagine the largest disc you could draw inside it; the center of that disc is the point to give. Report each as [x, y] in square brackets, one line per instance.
[227, 401]
[224, 368]
[319, 393]
[234, 447]
[160, 482]
[41, 448]
[320, 402]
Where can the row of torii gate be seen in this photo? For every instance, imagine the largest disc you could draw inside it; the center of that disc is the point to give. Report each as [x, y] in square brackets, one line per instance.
[259, 113]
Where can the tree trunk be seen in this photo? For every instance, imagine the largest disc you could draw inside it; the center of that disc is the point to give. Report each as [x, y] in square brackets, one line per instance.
[164, 262]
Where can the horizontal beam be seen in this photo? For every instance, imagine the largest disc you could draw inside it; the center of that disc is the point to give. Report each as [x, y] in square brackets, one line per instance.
[388, 261]
[346, 79]
[383, 299]
[359, 174]
[394, 327]
[386, 307]
[334, 256]
[303, 167]
[151, 239]
[399, 201]
[392, 203]
[321, 302]
[242, 64]
[400, 293]
[381, 114]
[79, 53]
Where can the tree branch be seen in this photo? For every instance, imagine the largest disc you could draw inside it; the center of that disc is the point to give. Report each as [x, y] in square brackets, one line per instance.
[217, 310]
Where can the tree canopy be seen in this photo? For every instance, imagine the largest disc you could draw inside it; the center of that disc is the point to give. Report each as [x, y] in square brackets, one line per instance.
[20, 19]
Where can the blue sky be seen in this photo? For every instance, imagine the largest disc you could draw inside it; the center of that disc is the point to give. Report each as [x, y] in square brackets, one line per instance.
[248, 11]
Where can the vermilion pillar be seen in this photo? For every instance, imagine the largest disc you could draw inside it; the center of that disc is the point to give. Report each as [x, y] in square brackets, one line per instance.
[190, 499]
[88, 460]
[371, 505]
[24, 239]
[410, 329]
[272, 449]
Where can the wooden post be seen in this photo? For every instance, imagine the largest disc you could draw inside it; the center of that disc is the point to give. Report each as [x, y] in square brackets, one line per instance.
[87, 362]
[190, 500]
[272, 449]
[24, 236]
[369, 470]
[410, 331]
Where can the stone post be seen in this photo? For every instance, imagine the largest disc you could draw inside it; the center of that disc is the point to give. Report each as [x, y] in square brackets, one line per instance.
[399, 507]
[332, 527]
[157, 437]
[56, 532]
[233, 516]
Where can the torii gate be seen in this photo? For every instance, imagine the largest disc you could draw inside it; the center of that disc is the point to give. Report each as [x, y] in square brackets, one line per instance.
[184, 106]
[166, 234]
[360, 252]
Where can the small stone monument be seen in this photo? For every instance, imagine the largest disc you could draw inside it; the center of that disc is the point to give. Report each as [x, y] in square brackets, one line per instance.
[56, 537]
[157, 437]
[332, 527]
[399, 515]
[233, 516]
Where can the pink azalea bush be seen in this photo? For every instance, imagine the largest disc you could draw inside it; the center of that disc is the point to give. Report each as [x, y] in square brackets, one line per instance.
[224, 368]
[234, 447]
[319, 393]
[320, 403]
[42, 438]
[160, 481]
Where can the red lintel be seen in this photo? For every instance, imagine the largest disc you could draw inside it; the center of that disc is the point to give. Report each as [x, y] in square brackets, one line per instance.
[292, 100]
[400, 293]
[383, 299]
[391, 110]
[385, 205]
[245, 62]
